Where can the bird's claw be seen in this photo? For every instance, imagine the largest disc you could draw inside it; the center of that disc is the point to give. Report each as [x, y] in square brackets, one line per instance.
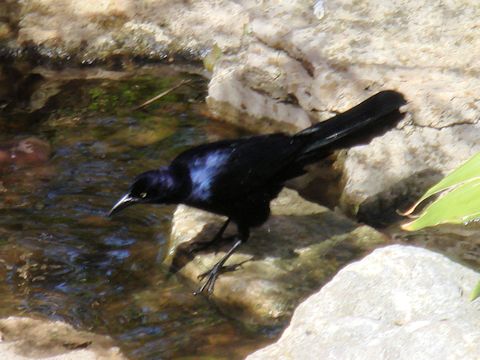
[212, 275]
[209, 285]
[218, 268]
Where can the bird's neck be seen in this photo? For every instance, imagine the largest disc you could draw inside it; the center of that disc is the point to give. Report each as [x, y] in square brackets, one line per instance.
[176, 188]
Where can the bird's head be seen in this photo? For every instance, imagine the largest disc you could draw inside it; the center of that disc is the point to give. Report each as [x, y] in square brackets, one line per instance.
[150, 187]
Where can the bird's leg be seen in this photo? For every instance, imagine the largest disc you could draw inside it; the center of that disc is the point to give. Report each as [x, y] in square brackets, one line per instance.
[222, 230]
[213, 273]
[199, 246]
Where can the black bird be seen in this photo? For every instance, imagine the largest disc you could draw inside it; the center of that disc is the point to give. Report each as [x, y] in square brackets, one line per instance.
[238, 178]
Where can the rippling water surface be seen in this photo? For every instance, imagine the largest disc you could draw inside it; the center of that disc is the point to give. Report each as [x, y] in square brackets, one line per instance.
[60, 256]
[70, 143]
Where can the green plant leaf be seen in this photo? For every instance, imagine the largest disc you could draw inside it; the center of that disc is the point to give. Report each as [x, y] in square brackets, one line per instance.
[458, 206]
[469, 171]
[460, 203]
[476, 292]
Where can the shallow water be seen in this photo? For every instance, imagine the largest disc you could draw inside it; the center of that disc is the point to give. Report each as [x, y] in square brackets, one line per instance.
[62, 258]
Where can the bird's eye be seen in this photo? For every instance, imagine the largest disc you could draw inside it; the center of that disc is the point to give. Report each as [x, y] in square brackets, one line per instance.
[143, 195]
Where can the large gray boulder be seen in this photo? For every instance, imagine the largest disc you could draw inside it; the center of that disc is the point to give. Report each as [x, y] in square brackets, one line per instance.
[397, 303]
[292, 255]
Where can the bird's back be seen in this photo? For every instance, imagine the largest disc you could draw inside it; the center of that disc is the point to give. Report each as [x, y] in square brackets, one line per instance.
[231, 169]
[230, 177]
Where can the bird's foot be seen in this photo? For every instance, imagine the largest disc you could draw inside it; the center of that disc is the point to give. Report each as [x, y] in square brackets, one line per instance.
[210, 283]
[212, 276]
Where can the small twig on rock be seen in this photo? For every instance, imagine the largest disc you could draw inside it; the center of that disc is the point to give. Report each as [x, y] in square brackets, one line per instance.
[159, 96]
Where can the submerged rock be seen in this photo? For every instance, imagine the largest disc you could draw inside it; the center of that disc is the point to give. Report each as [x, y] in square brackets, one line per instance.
[30, 151]
[293, 254]
[26, 338]
[397, 303]
[24, 168]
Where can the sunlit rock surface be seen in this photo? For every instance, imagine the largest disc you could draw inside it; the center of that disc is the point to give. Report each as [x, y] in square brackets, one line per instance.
[397, 303]
[288, 258]
[97, 29]
[303, 68]
[25, 338]
[394, 170]
[286, 64]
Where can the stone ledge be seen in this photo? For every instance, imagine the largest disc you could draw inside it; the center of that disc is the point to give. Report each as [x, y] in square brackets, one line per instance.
[301, 246]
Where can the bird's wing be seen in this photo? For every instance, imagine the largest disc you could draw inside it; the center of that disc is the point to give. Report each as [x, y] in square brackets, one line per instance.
[232, 168]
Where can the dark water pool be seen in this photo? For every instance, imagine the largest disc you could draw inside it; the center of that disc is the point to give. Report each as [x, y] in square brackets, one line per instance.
[60, 256]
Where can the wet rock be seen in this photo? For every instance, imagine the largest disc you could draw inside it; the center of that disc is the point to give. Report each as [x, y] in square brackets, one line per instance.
[145, 134]
[45, 92]
[29, 151]
[397, 303]
[293, 254]
[26, 338]
[5, 31]
[24, 168]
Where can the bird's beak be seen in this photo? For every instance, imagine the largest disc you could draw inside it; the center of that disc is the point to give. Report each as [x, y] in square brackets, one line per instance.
[121, 204]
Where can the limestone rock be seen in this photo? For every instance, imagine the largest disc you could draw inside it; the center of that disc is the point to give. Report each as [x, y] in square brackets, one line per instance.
[303, 68]
[397, 303]
[250, 89]
[293, 254]
[286, 64]
[26, 338]
[97, 29]
[398, 167]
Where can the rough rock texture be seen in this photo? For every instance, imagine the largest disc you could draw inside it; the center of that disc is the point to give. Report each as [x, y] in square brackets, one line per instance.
[285, 64]
[96, 29]
[299, 66]
[292, 255]
[26, 338]
[401, 165]
[397, 303]
[329, 64]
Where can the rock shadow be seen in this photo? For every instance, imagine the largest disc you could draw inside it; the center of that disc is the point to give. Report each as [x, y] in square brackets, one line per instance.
[382, 210]
[283, 237]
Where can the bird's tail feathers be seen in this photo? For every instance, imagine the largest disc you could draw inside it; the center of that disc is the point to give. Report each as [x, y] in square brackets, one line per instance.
[355, 126]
